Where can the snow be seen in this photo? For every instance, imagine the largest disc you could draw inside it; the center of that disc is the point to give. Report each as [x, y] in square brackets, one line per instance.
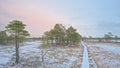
[85, 63]
[114, 49]
[109, 47]
[30, 56]
[63, 58]
[29, 48]
[5, 55]
[7, 52]
[70, 60]
[107, 55]
[4, 60]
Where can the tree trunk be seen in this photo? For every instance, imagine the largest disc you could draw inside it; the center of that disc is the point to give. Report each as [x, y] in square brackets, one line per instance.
[17, 47]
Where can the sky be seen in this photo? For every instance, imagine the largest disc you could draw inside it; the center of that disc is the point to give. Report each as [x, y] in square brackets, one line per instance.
[89, 17]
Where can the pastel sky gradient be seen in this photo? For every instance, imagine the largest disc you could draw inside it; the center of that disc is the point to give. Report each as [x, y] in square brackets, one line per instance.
[89, 17]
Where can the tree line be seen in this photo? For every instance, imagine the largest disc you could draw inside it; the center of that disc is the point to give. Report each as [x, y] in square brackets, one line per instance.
[59, 35]
[108, 37]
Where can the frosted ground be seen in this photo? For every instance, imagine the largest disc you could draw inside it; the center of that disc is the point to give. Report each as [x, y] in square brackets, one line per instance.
[30, 56]
[106, 55]
[100, 55]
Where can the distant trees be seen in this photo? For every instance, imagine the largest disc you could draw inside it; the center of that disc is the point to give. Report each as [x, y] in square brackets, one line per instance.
[17, 29]
[108, 37]
[116, 38]
[3, 37]
[60, 35]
